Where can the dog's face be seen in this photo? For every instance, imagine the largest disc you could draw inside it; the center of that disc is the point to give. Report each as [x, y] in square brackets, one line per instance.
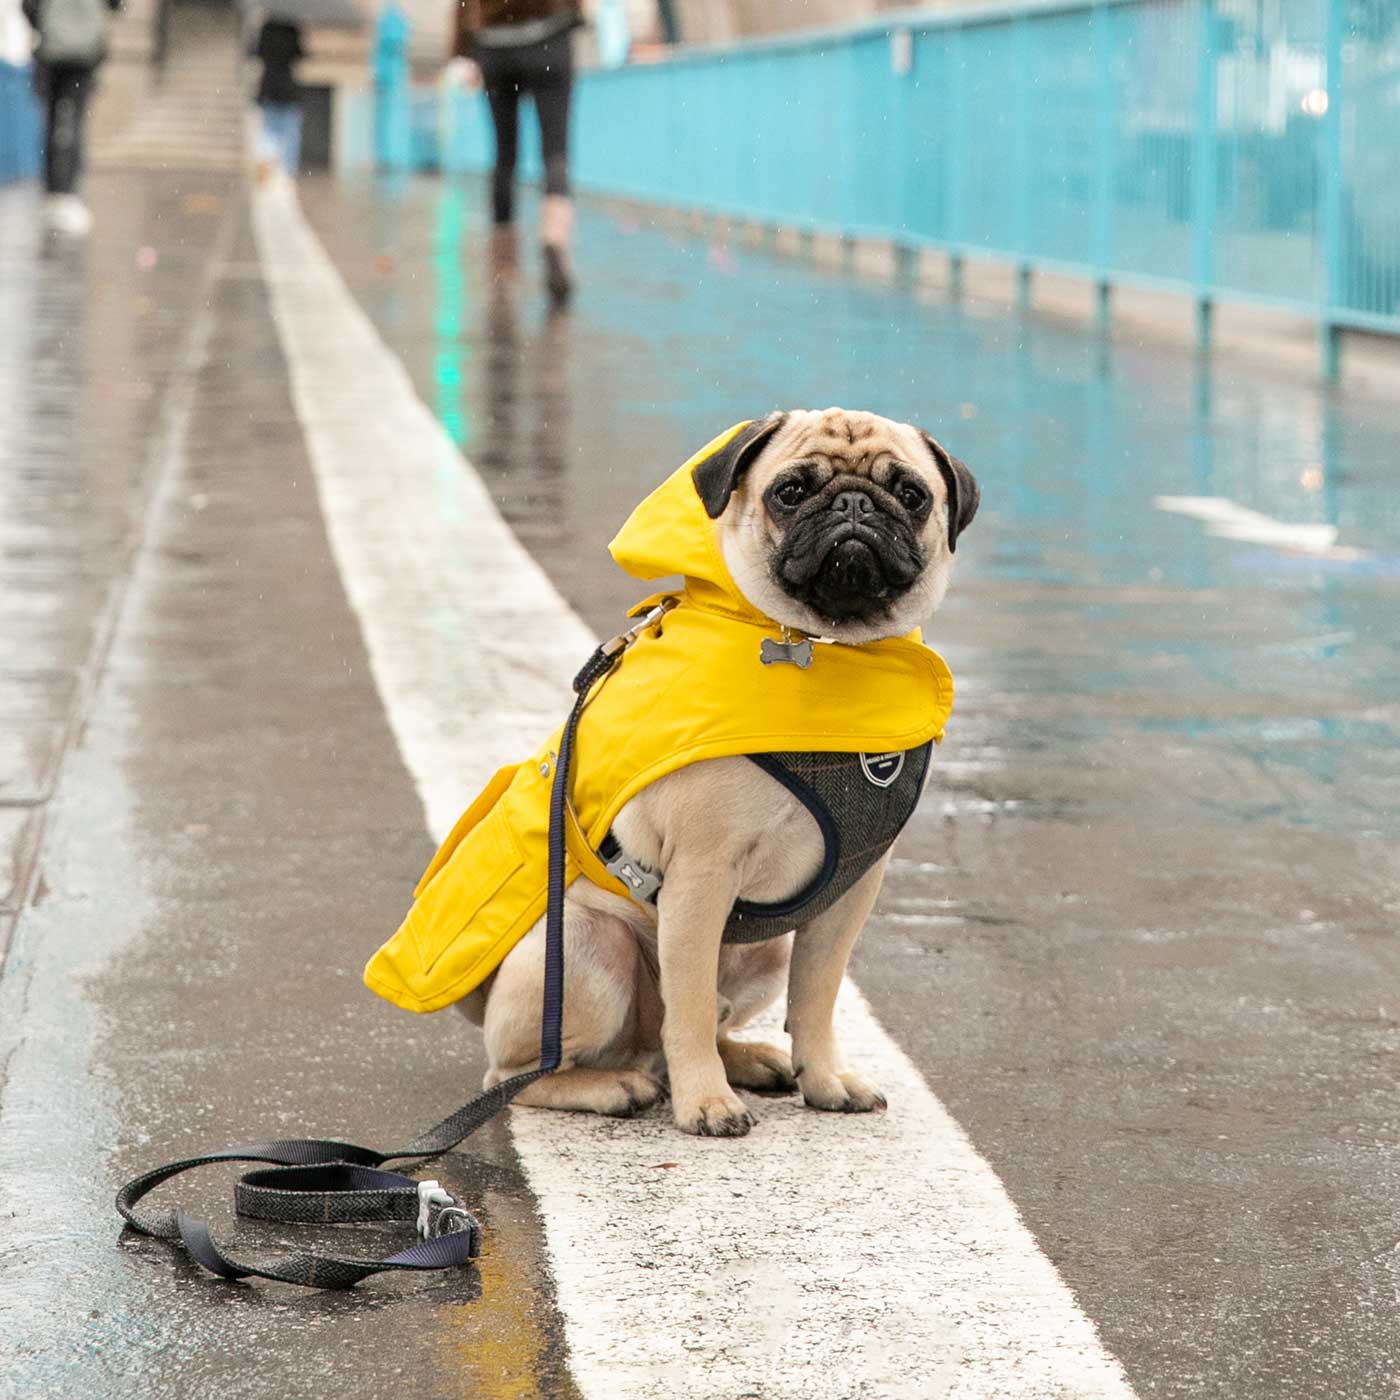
[839, 524]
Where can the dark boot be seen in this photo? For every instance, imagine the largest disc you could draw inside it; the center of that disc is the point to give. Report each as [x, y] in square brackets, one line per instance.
[557, 236]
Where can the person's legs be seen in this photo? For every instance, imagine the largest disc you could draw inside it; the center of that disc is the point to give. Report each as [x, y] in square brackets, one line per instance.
[551, 85]
[282, 134]
[44, 88]
[269, 138]
[503, 96]
[66, 91]
[293, 146]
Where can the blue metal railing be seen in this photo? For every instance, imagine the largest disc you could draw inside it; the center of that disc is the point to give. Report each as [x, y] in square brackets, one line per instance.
[1229, 149]
[19, 124]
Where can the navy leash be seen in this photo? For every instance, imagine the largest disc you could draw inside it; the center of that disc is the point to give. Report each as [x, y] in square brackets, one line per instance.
[321, 1181]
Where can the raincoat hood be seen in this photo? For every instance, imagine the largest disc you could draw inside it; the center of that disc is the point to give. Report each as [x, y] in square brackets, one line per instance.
[697, 685]
[671, 533]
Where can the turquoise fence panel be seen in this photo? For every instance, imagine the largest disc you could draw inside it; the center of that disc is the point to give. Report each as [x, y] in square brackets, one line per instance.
[1271, 97]
[715, 166]
[832, 203]
[874, 132]
[780, 181]
[1224, 148]
[930, 137]
[1155, 74]
[987, 181]
[1367, 279]
[1064, 71]
[785, 177]
[19, 124]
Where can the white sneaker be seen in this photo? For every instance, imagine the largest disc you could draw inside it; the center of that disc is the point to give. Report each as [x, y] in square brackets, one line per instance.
[67, 214]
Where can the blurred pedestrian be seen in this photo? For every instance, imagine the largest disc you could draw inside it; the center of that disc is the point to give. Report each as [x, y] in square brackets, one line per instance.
[280, 49]
[72, 44]
[526, 46]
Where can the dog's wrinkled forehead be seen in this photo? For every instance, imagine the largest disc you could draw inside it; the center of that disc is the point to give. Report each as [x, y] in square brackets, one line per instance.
[846, 441]
[862, 443]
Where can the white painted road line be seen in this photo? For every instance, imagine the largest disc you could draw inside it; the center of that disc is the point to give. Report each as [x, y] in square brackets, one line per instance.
[822, 1256]
[1232, 521]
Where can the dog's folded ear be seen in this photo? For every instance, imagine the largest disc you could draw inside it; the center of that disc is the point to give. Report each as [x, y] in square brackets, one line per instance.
[719, 474]
[963, 492]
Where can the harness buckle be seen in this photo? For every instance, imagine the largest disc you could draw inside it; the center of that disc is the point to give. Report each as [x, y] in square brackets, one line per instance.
[430, 1194]
[641, 880]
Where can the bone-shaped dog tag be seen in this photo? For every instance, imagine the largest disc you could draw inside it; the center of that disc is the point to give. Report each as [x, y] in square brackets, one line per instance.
[773, 653]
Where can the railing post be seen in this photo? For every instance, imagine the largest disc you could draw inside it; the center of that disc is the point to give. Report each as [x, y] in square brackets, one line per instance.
[901, 160]
[1023, 288]
[952, 158]
[1103, 306]
[1022, 162]
[1330, 175]
[1206, 184]
[1105, 167]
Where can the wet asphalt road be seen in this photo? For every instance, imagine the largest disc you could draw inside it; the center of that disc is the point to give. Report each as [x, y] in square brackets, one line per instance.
[1141, 939]
[89, 341]
[229, 842]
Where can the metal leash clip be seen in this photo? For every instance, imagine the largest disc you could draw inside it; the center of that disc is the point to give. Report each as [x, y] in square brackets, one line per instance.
[623, 640]
[439, 1212]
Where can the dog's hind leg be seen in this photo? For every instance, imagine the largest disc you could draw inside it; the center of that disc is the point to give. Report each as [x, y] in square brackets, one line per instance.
[617, 1093]
[599, 1072]
[753, 1064]
[751, 978]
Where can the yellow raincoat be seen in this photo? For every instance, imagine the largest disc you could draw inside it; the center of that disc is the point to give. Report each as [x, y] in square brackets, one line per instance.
[691, 689]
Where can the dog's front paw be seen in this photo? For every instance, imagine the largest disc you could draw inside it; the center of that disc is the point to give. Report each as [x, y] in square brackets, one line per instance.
[718, 1115]
[839, 1093]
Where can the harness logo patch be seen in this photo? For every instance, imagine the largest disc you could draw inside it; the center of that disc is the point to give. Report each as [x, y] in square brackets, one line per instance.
[882, 768]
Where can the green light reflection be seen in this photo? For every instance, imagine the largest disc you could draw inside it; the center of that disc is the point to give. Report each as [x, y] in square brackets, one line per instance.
[451, 353]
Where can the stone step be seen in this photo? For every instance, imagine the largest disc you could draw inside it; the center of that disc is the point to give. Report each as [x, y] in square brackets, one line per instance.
[194, 115]
[184, 159]
[230, 115]
[232, 143]
[165, 149]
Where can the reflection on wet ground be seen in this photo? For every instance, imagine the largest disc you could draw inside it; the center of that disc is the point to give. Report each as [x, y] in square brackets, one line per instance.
[233, 833]
[91, 332]
[1100, 644]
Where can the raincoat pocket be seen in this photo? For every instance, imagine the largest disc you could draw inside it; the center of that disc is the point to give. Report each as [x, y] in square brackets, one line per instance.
[472, 906]
[488, 798]
[441, 918]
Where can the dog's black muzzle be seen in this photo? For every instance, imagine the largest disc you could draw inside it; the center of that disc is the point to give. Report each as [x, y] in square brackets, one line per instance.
[850, 552]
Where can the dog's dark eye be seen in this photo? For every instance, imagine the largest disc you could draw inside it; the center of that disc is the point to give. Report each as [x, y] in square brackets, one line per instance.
[912, 496]
[790, 493]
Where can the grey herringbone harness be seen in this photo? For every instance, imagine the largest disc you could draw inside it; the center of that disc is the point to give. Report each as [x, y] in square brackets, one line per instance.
[859, 801]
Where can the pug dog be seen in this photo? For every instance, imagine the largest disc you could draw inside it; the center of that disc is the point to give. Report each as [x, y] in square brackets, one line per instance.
[840, 525]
